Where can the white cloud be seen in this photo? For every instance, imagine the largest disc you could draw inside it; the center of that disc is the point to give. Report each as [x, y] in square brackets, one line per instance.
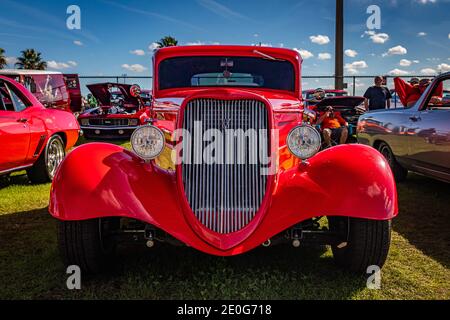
[11, 60]
[428, 72]
[449, 35]
[354, 67]
[443, 67]
[304, 53]
[138, 52]
[52, 64]
[421, 34]
[324, 56]
[351, 53]
[320, 39]
[378, 38]
[153, 46]
[78, 43]
[398, 50]
[398, 72]
[195, 43]
[426, 1]
[405, 63]
[262, 44]
[134, 68]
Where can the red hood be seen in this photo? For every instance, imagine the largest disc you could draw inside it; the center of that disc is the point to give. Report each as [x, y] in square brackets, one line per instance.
[102, 94]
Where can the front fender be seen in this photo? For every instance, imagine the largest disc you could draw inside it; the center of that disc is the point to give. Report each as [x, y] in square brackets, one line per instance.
[103, 180]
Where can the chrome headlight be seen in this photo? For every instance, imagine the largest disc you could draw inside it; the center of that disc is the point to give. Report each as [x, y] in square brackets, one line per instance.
[148, 142]
[84, 122]
[304, 141]
[133, 122]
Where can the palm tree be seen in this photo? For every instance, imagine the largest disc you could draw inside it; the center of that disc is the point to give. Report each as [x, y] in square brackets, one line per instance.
[3, 62]
[167, 41]
[31, 59]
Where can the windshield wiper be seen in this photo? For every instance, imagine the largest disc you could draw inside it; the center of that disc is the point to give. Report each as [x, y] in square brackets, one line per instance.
[264, 55]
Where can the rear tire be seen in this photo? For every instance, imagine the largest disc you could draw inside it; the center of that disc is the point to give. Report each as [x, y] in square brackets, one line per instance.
[88, 244]
[45, 167]
[367, 245]
[400, 173]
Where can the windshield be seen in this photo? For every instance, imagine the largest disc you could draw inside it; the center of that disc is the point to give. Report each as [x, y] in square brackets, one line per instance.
[184, 72]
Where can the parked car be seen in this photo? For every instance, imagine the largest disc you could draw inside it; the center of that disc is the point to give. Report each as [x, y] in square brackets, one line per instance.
[193, 179]
[118, 114]
[73, 86]
[413, 139]
[32, 137]
[350, 108]
[49, 87]
[308, 95]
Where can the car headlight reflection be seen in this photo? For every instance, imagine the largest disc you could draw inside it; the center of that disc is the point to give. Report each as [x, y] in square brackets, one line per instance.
[147, 142]
[304, 141]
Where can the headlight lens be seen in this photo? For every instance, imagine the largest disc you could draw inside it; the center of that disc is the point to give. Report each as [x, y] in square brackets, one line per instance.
[84, 122]
[133, 122]
[148, 142]
[304, 141]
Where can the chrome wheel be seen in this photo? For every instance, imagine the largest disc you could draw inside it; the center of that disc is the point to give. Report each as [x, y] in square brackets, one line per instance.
[55, 155]
[387, 154]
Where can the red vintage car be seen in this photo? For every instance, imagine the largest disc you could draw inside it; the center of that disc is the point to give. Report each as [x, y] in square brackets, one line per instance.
[53, 89]
[119, 112]
[32, 137]
[225, 165]
[73, 87]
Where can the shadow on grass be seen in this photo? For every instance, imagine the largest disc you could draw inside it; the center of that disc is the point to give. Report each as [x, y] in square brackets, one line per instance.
[16, 178]
[424, 217]
[31, 265]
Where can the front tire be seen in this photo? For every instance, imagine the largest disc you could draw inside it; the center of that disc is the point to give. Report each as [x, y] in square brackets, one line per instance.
[89, 244]
[368, 243]
[45, 167]
[400, 173]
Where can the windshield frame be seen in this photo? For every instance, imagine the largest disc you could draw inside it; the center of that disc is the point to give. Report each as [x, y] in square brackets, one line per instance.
[295, 86]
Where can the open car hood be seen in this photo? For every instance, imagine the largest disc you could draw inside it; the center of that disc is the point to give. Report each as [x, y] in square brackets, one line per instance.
[340, 102]
[101, 93]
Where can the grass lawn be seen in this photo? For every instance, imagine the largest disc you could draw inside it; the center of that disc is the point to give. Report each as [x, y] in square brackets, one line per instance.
[417, 268]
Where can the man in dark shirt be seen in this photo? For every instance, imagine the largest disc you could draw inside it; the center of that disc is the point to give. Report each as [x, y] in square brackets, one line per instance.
[377, 96]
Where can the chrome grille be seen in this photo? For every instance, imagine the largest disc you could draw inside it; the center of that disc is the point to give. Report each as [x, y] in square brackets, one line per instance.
[225, 197]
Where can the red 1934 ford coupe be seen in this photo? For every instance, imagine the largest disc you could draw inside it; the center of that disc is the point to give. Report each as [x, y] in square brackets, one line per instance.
[225, 165]
[32, 137]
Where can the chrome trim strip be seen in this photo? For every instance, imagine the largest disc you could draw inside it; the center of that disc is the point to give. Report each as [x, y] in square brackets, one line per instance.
[16, 169]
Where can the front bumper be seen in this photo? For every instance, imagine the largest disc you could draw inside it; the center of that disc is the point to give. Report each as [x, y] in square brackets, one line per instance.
[113, 132]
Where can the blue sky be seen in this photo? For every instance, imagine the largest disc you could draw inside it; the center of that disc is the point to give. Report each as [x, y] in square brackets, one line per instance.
[116, 36]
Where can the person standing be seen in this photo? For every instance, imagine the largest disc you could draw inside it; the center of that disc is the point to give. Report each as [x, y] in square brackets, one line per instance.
[377, 96]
